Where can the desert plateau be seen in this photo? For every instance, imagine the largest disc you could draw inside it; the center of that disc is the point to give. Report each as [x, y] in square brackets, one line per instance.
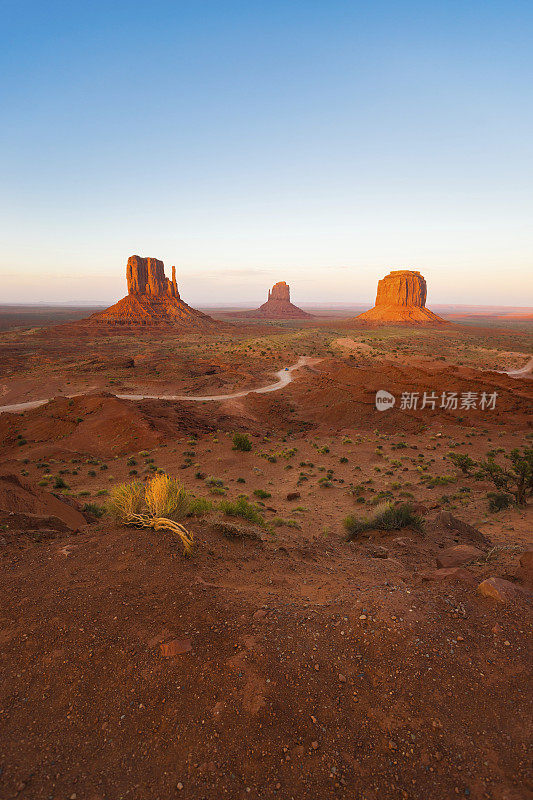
[348, 613]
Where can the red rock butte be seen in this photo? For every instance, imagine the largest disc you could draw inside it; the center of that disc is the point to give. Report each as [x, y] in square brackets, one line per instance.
[401, 298]
[152, 299]
[278, 305]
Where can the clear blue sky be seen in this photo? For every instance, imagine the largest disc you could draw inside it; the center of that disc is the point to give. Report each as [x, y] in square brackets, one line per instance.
[318, 142]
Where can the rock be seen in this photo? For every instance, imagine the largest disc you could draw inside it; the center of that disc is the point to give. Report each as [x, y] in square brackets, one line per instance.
[176, 647]
[449, 574]
[501, 590]
[147, 276]
[378, 552]
[462, 529]
[152, 299]
[526, 566]
[458, 555]
[401, 297]
[278, 305]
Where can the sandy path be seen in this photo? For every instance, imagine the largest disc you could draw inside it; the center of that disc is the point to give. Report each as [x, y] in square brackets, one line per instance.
[523, 372]
[284, 377]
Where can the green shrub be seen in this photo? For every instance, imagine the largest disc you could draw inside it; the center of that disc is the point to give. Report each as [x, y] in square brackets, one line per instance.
[241, 441]
[261, 494]
[515, 479]
[498, 501]
[94, 509]
[388, 518]
[463, 462]
[198, 506]
[59, 483]
[242, 508]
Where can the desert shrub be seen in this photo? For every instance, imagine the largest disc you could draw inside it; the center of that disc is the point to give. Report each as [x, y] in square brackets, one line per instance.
[242, 508]
[200, 476]
[165, 497]
[198, 506]
[221, 490]
[261, 494]
[94, 509]
[343, 460]
[463, 462]
[498, 501]
[91, 473]
[211, 481]
[440, 480]
[515, 479]
[387, 518]
[151, 506]
[241, 441]
[241, 480]
[59, 483]
[42, 483]
[278, 522]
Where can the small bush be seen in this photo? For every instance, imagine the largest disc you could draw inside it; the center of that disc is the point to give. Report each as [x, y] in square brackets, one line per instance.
[261, 494]
[198, 506]
[92, 508]
[241, 441]
[59, 483]
[498, 501]
[242, 508]
[387, 518]
[463, 462]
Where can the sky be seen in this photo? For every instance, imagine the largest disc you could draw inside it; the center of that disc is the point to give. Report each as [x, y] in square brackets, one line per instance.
[320, 142]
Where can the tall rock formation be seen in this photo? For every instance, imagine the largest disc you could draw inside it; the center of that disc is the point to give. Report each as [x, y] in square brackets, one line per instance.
[278, 305]
[401, 297]
[147, 276]
[152, 299]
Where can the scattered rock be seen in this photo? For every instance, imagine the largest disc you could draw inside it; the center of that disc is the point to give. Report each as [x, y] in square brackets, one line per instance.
[378, 552]
[526, 566]
[458, 555]
[467, 532]
[449, 574]
[176, 647]
[501, 590]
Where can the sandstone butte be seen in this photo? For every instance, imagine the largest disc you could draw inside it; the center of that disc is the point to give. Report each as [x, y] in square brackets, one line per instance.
[152, 299]
[401, 298]
[278, 305]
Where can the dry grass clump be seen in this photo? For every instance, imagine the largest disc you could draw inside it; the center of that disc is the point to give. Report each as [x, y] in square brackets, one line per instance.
[152, 505]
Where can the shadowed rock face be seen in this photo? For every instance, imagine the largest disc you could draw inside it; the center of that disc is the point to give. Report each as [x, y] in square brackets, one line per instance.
[278, 305]
[147, 276]
[401, 297]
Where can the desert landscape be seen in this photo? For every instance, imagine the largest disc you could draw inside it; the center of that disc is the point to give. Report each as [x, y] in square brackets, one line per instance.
[266, 395]
[339, 602]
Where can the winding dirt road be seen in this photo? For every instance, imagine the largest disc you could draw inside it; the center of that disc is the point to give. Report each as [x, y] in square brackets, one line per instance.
[284, 377]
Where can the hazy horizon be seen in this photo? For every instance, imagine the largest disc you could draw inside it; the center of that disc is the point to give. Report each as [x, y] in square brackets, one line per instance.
[323, 144]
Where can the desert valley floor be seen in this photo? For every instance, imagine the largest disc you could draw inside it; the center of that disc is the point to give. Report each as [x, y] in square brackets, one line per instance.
[278, 660]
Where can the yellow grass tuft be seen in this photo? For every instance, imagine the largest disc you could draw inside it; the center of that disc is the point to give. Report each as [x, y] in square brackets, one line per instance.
[151, 506]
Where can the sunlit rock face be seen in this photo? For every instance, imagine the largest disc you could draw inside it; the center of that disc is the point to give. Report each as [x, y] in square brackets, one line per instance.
[147, 276]
[401, 297]
[152, 299]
